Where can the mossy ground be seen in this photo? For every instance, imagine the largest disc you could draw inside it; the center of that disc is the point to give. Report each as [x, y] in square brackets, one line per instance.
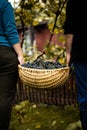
[31, 116]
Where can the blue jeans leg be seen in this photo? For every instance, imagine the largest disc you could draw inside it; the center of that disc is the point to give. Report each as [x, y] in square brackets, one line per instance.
[81, 84]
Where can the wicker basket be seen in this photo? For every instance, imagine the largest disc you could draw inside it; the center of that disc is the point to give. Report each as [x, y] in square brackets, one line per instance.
[43, 78]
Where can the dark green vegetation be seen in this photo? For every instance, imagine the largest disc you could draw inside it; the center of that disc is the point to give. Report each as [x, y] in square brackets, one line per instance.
[31, 116]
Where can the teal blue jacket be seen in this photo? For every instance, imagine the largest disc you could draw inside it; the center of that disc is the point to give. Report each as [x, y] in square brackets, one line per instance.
[8, 29]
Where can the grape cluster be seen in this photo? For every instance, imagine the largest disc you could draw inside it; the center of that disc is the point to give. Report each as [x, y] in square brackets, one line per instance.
[40, 64]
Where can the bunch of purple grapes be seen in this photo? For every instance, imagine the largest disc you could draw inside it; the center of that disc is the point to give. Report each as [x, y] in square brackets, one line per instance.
[40, 64]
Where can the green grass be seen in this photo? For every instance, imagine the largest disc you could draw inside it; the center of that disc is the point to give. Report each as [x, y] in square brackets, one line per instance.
[31, 116]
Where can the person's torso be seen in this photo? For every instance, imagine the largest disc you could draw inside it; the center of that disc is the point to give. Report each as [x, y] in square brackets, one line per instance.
[79, 47]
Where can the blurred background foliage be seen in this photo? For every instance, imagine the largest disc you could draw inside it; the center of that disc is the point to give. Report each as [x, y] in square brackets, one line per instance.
[31, 12]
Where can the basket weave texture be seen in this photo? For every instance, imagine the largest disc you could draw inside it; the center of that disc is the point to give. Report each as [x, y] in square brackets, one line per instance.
[43, 78]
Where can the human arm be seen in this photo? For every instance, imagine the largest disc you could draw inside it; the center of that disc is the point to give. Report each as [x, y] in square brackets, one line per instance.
[18, 50]
[68, 46]
[10, 30]
[69, 28]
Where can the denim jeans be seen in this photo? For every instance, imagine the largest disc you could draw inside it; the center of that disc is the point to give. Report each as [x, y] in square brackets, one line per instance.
[81, 84]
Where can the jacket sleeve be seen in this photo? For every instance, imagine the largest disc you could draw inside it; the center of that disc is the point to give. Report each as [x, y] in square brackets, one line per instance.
[9, 25]
[69, 20]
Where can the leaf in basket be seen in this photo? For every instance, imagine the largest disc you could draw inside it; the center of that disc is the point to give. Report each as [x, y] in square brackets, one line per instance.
[62, 61]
